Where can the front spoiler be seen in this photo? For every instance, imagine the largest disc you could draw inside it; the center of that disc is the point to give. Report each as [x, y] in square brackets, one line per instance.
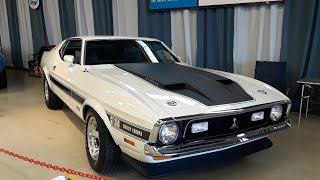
[204, 161]
[216, 144]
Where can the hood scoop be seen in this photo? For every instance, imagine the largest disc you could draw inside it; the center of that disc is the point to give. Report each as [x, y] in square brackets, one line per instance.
[205, 87]
[225, 81]
[185, 87]
[175, 86]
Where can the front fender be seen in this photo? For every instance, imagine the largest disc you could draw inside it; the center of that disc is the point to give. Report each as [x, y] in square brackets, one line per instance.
[46, 73]
[97, 107]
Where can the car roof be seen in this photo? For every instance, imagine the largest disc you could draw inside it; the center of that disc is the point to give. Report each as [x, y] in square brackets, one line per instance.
[90, 38]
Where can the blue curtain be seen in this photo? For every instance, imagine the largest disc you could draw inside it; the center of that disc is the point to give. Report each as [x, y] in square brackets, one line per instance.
[13, 23]
[38, 28]
[215, 38]
[301, 42]
[67, 18]
[102, 15]
[155, 24]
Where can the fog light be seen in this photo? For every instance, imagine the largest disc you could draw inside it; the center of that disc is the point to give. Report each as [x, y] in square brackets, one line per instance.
[199, 127]
[257, 116]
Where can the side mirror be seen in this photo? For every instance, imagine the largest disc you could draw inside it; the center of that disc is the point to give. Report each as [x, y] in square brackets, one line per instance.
[68, 59]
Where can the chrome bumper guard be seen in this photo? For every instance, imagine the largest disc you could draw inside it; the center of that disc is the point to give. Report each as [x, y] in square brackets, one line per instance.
[215, 144]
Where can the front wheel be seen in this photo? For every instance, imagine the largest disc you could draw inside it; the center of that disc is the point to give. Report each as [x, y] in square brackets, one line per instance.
[52, 100]
[102, 152]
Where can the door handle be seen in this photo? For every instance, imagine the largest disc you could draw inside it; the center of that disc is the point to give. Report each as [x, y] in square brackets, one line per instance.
[54, 67]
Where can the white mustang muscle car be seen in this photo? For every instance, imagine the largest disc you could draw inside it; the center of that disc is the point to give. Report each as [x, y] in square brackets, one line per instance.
[136, 97]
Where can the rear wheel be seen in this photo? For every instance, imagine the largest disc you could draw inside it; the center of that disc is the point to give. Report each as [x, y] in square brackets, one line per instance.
[102, 152]
[52, 100]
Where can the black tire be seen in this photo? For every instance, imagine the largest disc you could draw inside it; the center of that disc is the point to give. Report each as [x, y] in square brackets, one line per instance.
[3, 79]
[52, 101]
[109, 152]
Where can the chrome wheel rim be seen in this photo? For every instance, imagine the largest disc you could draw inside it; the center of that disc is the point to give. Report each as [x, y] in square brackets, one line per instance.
[46, 90]
[93, 138]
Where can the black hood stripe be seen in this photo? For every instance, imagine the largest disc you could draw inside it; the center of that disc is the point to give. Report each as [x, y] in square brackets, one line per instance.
[205, 87]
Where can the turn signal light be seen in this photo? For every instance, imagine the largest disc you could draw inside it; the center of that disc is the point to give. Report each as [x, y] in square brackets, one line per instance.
[129, 142]
[158, 158]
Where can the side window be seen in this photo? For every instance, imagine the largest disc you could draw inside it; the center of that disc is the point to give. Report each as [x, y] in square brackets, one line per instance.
[63, 47]
[72, 47]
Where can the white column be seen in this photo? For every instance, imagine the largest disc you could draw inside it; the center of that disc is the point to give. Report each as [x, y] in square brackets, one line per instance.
[257, 36]
[125, 17]
[52, 21]
[84, 17]
[276, 21]
[184, 34]
[25, 31]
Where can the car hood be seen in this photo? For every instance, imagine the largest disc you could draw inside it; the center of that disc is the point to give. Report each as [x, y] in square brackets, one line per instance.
[182, 90]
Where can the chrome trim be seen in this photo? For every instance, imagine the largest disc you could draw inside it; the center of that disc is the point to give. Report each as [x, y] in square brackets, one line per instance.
[153, 138]
[288, 109]
[155, 130]
[215, 144]
[254, 108]
[227, 112]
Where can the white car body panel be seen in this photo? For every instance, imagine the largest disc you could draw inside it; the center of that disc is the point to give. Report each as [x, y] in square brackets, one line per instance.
[109, 89]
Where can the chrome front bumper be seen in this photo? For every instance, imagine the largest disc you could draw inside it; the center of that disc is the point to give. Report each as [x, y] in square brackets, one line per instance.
[215, 144]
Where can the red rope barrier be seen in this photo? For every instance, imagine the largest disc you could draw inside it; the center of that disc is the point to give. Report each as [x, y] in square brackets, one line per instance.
[53, 167]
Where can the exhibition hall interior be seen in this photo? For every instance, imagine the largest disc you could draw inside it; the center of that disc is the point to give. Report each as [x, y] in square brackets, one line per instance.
[160, 89]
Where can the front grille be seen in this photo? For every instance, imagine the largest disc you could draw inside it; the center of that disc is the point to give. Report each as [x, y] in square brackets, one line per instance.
[222, 126]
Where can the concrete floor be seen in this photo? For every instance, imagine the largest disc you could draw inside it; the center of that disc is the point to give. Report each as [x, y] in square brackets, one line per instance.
[57, 137]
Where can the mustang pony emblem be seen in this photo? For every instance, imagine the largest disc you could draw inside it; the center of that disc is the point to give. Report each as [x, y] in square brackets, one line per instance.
[234, 125]
[262, 92]
[172, 103]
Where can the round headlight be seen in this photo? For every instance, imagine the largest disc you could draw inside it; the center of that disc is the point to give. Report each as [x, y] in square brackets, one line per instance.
[168, 133]
[276, 113]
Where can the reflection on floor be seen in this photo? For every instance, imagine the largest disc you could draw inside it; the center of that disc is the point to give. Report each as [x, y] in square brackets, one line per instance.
[29, 128]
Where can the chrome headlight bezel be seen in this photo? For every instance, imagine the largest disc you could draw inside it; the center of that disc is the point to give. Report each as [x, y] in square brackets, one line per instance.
[276, 113]
[170, 127]
[288, 109]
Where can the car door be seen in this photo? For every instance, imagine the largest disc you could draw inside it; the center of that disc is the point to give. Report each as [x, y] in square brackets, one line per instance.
[62, 72]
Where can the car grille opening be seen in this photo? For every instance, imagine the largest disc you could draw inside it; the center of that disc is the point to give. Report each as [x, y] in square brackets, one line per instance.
[227, 125]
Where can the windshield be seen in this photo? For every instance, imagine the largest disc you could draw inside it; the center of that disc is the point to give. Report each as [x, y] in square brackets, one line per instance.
[126, 51]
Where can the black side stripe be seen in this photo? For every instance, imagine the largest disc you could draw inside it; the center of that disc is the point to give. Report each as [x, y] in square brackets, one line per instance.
[68, 91]
[77, 97]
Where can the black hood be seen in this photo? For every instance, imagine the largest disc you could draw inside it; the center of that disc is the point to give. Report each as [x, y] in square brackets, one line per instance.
[208, 88]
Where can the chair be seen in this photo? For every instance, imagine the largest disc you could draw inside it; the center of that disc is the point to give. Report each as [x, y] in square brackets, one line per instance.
[272, 73]
[34, 62]
[34, 65]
